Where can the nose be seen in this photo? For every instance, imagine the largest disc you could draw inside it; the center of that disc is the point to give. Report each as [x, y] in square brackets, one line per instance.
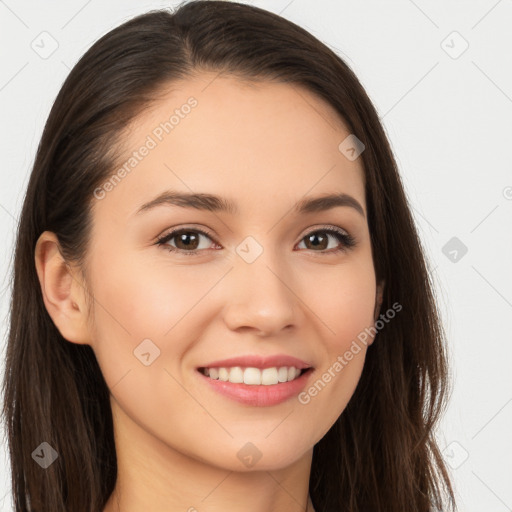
[260, 297]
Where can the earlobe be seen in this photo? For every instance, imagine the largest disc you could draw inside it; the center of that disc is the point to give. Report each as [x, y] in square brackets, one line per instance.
[62, 294]
[379, 294]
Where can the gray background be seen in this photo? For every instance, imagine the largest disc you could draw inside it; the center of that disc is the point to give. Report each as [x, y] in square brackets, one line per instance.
[447, 110]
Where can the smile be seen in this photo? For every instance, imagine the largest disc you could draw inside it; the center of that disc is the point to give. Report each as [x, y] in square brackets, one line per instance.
[254, 386]
[253, 376]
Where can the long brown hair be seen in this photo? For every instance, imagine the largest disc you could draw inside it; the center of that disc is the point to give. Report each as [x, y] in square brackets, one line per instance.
[381, 454]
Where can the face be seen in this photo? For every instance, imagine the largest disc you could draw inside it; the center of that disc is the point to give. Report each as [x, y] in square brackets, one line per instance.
[262, 279]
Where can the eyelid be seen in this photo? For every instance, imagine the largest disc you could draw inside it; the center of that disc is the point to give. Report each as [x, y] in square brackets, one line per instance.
[319, 227]
[210, 233]
[176, 229]
[348, 242]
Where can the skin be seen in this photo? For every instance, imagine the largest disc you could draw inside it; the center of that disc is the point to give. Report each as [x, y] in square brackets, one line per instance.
[265, 146]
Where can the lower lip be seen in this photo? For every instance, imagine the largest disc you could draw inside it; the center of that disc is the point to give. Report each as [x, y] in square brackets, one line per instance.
[260, 396]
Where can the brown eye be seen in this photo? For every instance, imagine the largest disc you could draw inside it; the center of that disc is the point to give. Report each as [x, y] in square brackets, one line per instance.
[318, 241]
[187, 241]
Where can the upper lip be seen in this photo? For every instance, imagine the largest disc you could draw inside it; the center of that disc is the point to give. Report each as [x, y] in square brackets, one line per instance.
[257, 361]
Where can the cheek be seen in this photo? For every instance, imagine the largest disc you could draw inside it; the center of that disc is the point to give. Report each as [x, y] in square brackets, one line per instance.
[139, 299]
[145, 297]
[343, 302]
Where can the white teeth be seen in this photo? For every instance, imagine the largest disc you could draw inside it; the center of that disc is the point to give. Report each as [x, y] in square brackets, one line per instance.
[282, 374]
[236, 375]
[254, 376]
[269, 376]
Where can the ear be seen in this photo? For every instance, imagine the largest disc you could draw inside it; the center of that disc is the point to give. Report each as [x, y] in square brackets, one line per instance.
[378, 299]
[378, 303]
[62, 290]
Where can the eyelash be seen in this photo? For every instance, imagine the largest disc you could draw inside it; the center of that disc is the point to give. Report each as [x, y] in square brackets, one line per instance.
[347, 241]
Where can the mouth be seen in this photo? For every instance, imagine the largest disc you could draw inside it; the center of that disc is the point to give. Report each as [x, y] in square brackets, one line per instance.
[255, 376]
[254, 386]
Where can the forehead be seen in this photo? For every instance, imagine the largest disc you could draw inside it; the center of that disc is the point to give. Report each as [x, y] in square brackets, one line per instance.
[257, 141]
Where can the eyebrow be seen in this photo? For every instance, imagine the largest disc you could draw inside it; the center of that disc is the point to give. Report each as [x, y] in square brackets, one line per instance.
[213, 203]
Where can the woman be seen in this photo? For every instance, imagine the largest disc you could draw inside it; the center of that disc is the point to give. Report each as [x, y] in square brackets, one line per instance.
[293, 359]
